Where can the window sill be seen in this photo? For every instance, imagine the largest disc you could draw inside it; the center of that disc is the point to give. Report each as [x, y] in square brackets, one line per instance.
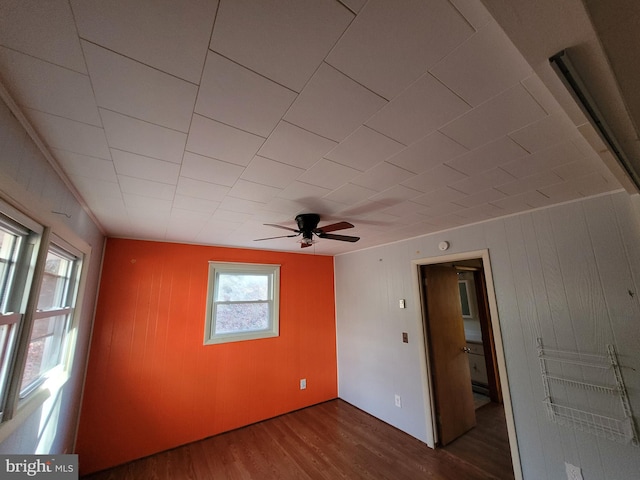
[32, 402]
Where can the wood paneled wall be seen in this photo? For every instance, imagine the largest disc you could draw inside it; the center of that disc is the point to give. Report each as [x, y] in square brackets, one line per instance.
[152, 384]
[569, 274]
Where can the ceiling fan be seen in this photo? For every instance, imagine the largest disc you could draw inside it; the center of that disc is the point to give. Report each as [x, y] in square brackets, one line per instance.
[308, 226]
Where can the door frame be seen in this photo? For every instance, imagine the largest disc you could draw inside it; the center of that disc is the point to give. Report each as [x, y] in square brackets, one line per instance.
[427, 383]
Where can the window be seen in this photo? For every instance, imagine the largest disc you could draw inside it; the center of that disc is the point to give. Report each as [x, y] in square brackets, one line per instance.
[52, 317]
[19, 241]
[242, 302]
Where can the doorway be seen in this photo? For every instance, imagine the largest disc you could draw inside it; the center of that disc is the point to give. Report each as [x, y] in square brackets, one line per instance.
[465, 370]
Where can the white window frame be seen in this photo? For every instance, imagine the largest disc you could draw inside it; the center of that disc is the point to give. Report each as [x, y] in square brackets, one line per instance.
[221, 268]
[15, 316]
[63, 249]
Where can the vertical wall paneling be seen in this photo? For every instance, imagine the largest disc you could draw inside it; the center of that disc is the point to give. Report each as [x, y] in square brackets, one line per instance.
[152, 384]
[563, 273]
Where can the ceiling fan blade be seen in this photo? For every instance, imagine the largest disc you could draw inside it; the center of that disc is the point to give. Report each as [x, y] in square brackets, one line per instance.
[271, 238]
[305, 245]
[280, 226]
[343, 238]
[333, 227]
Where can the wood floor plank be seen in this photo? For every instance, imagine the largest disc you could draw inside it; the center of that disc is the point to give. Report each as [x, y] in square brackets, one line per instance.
[329, 441]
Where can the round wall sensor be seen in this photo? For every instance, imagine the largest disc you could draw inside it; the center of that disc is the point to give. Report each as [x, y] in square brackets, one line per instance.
[443, 246]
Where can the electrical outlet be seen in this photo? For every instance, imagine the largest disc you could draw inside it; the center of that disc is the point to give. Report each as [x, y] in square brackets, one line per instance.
[573, 472]
[398, 401]
[303, 383]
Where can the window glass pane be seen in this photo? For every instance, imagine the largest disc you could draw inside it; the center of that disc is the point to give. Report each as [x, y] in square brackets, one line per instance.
[241, 317]
[9, 244]
[239, 288]
[45, 347]
[55, 282]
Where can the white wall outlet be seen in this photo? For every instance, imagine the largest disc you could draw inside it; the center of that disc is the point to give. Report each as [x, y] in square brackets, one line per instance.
[303, 383]
[573, 472]
[398, 401]
[402, 303]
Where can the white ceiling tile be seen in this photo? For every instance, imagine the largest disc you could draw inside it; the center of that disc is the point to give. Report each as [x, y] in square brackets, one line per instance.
[534, 182]
[521, 202]
[483, 181]
[295, 146]
[131, 88]
[283, 206]
[592, 184]
[422, 108]
[560, 192]
[499, 152]
[147, 207]
[395, 195]
[256, 192]
[85, 166]
[382, 176]
[134, 165]
[364, 148]
[447, 221]
[438, 209]
[65, 134]
[545, 98]
[380, 48]
[184, 225]
[190, 187]
[301, 191]
[207, 169]
[240, 205]
[480, 198]
[579, 168]
[237, 217]
[169, 36]
[406, 210]
[543, 160]
[45, 30]
[217, 140]
[475, 13]
[354, 5]
[146, 188]
[332, 105]
[194, 204]
[96, 191]
[506, 113]
[481, 212]
[241, 98]
[439, 196]
[545, 133]
[475, 70]
[433, 178]
[284, 40]
[269, 172]
[328, 174]
[49, 88]
[350, 194]
[429, 152]
[137, 136]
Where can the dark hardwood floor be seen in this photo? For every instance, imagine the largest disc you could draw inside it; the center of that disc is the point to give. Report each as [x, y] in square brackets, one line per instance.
[329, 441]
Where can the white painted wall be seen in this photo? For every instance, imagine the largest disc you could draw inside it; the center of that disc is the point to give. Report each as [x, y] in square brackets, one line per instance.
[30, 184]
[563, 273]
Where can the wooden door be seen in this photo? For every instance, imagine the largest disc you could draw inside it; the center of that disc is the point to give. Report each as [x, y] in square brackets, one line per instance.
[450, 366]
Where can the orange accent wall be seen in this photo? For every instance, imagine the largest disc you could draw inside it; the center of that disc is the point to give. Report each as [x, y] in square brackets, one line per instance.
[151, 383]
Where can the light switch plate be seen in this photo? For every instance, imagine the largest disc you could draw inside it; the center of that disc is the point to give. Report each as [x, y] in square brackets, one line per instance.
[573, 472]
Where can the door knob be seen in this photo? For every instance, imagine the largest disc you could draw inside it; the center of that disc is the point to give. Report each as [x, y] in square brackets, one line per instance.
[466, 349]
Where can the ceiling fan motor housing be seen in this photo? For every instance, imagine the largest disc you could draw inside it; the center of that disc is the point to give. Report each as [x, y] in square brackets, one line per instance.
[307, 223]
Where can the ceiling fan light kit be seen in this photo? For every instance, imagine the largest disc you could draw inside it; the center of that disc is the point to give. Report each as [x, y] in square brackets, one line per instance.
[308, 227]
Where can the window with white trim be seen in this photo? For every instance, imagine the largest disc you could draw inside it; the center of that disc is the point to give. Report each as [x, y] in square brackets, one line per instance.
[52, 318]
[242, 302]
[19, 242]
